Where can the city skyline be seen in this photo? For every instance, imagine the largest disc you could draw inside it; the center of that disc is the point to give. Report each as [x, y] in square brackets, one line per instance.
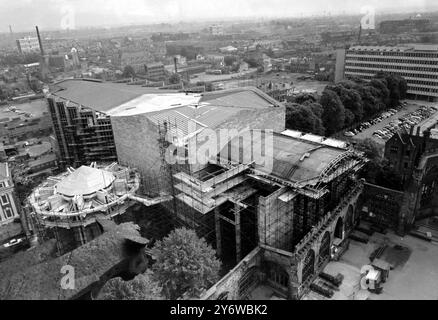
[75, 14]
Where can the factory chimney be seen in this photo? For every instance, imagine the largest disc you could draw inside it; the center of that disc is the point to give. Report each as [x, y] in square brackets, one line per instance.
[39, 41]
[175, 60]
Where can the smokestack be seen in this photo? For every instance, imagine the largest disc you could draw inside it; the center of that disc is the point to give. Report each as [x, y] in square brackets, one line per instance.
[10, 30]
[175, 60]
[39, 41]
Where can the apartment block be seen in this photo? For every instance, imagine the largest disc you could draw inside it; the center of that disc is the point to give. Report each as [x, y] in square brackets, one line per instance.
[417, 63]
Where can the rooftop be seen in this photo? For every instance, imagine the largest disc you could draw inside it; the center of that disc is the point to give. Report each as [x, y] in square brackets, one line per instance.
[85, 191]
[42, 160]
[202, 111]
[404, 48]
[299, 160]
[85, 181]
[100, 96]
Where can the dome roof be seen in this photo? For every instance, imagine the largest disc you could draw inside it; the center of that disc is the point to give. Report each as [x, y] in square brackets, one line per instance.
[85, 181]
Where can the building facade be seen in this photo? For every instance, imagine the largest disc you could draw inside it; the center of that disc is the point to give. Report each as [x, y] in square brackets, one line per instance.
[8, 207]
[155, 72]
[418, 64]
[28, 45]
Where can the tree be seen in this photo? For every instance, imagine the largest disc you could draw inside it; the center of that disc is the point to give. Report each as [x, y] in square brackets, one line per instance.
[185, 264]
[396, 85]
[333, 117]
[129, 72]
[370, 148]
[302, 118]
[174, 78]
[230, 60]
[351, 100]
[253, 62]
[143, 287]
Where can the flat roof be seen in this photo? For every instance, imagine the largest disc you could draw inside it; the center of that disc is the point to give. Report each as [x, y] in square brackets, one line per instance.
[100, 96]
[405, 47]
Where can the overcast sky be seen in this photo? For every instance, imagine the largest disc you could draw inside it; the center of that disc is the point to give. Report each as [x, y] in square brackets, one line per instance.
[23, 15]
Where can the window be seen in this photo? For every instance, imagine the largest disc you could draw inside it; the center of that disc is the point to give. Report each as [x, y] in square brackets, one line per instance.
[9, 213]
[5, 199]
[2, 185]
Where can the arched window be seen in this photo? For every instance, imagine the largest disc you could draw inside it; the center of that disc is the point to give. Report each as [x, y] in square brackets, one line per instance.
[339, 229]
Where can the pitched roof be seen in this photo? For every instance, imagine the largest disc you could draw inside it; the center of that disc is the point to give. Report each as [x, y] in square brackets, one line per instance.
[85, 181]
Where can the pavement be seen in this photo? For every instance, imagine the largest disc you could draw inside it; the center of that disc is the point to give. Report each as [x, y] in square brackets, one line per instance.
[414, 277]
[368, 133]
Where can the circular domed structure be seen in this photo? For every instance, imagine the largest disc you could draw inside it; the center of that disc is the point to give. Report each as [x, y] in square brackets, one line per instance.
[85, 181]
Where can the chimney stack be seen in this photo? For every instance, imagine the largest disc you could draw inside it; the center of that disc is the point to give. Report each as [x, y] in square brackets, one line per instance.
[175, 60]
[39, 41]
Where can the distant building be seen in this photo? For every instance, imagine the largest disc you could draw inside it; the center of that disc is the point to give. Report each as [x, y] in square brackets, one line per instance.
[216, 59]
[406, 25]
[340, 65]
[21, 125]
[28, 45]
[417, 63]
[46, 162]
[136, 59]
[228, 50]
[155, 72]
[267, 64]
[216, 30]
[8, 207]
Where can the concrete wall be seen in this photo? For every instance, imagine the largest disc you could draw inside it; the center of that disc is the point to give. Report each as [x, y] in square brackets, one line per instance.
[137, 145]
[275, 221]
[229, 285]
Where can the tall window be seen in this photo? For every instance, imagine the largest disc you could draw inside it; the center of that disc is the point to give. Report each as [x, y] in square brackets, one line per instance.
[9, 213]
[5, 199]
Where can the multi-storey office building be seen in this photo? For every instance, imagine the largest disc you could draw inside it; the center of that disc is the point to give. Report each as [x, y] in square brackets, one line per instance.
[28, 45]
[8, 207]
[82, 127]
[418, 64]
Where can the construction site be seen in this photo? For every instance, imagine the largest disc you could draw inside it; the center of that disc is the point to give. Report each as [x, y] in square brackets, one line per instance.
[273, 223]
[66, 207]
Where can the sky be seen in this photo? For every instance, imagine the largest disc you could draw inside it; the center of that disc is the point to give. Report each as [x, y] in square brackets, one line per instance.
[23, 15]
